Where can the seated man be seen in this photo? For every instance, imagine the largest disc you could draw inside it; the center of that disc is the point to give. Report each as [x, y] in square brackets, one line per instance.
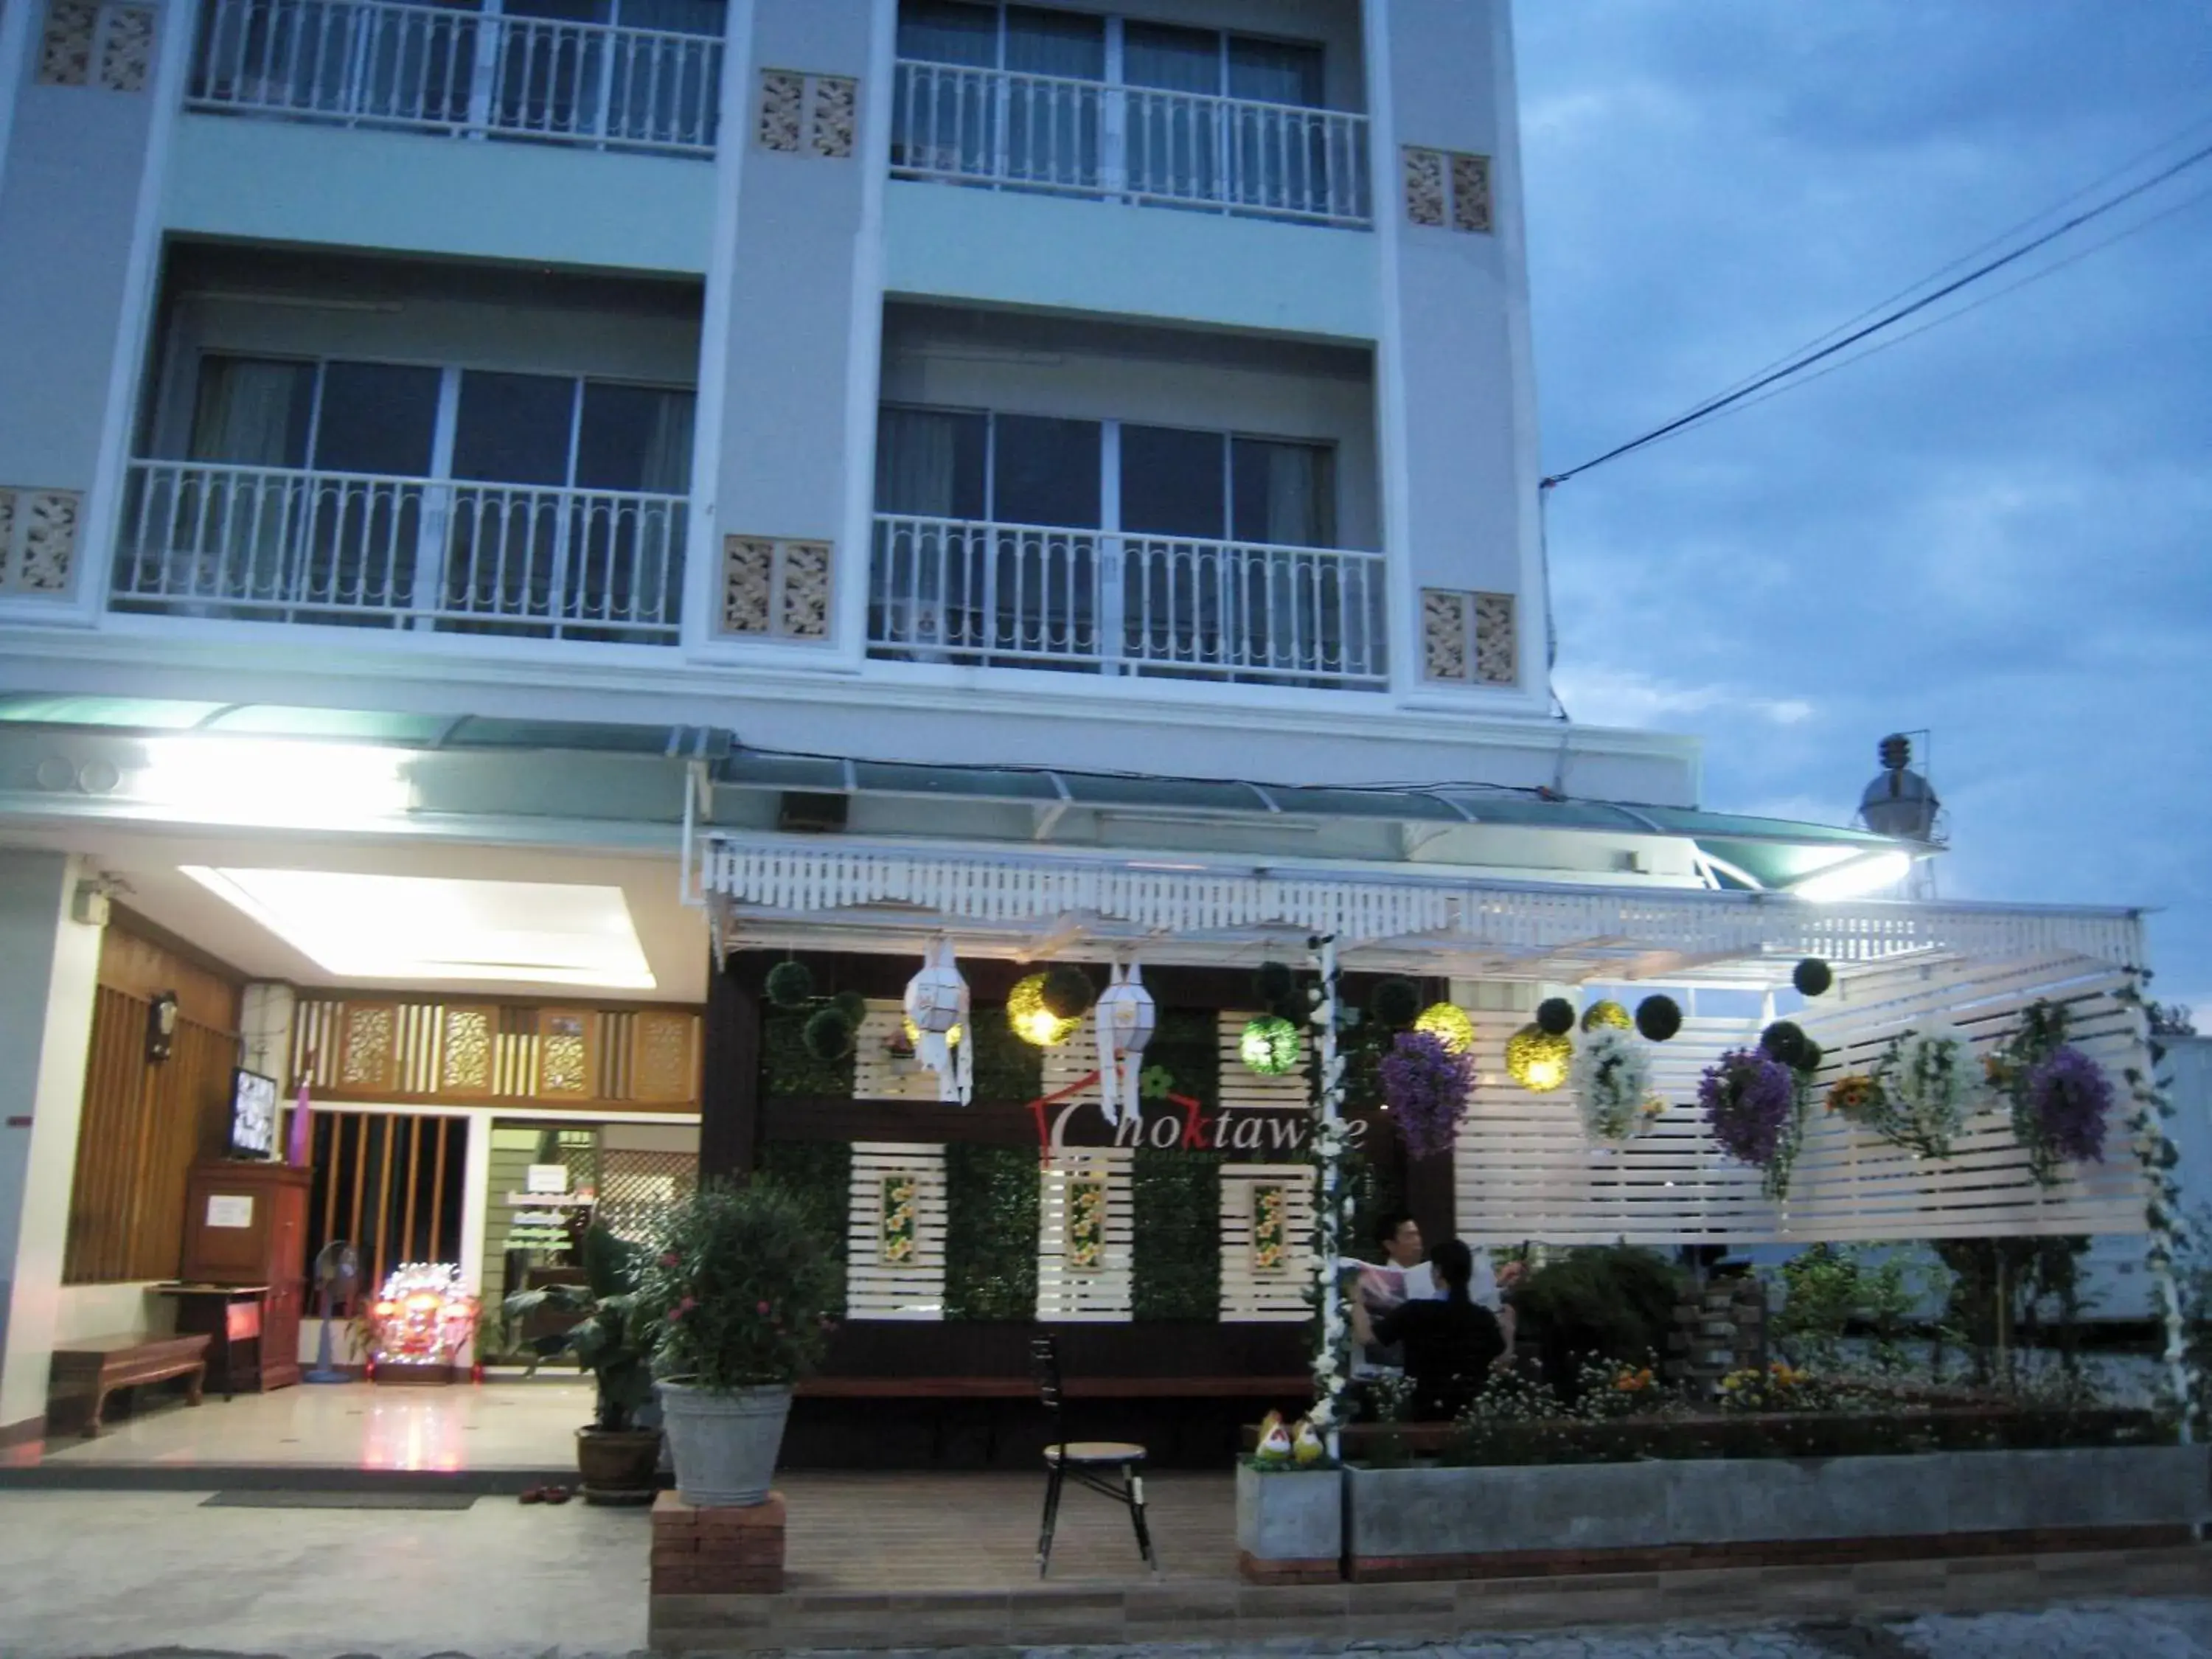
[1449, 1345]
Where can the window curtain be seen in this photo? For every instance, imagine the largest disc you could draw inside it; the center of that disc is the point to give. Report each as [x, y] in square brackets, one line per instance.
[252, 412]
[1282, 157]
[1283, 495]
[667, 467]
[914, 464]
[666, 91]
[1054, 132]
[1175, 140]
[656, 577]
[231, 536]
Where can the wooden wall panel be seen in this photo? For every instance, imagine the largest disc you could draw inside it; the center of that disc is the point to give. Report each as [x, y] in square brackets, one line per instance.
[145, 1124]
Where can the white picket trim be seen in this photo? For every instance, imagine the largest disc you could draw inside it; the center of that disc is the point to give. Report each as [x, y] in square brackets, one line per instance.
[1500, 928]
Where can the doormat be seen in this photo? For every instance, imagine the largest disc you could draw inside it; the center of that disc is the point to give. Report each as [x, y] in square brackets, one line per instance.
[340, 1500]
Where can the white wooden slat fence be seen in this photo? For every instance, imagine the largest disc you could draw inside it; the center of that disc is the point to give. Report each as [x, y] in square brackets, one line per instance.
[1250, 1294]
[1066, 1290]
[1524, 1169]
[876, 1288]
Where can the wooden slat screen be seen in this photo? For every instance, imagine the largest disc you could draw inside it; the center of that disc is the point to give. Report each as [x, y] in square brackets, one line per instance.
[144, 1125]
[389, 1183]
[383, 1051]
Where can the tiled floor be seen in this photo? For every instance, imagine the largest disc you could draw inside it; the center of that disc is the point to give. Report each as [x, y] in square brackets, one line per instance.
[462, 1427]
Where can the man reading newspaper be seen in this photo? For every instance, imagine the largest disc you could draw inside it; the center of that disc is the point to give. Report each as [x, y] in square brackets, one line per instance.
[1404, 1275]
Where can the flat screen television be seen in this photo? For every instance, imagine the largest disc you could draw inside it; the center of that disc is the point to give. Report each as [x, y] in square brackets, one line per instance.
[253, 1114]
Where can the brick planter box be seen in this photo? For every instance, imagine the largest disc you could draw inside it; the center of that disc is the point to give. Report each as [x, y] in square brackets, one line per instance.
[717, 1551]
[1514, 1521]
[1290, 1526]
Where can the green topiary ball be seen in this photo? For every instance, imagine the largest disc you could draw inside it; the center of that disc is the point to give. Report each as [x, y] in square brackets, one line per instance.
[853, 1006]
[1396, 1003]
[1273, 983]
[1068, 993]
[1785, 1042]
[790, 983]
[828, 1035]
[1812, 976]
[1556, 1015]
[1658, 1018]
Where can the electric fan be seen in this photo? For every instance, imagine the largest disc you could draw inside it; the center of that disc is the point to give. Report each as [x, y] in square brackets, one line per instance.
[338, 1278]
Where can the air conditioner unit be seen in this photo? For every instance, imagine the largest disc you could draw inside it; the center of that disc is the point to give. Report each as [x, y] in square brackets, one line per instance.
[810, 814]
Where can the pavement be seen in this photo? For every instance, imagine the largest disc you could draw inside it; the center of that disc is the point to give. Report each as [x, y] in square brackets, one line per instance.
[85, 1574]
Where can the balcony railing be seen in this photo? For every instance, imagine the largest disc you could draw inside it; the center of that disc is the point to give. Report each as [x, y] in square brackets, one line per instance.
[433, 69]
[356, 549]
[983, 126]
[956, 591]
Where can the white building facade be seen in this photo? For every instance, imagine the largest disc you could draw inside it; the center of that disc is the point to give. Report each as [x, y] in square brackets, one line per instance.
[569, 444]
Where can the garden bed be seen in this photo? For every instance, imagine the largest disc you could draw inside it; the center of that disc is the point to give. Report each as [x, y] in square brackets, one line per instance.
[1505, 1520]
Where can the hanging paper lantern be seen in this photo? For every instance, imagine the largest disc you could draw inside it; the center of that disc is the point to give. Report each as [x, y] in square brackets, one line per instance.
[1607, 1013]
[1269, 1046]
[1395, 1004]
[1659, 1018]
[1032, 1020]
[789, 984]
[1556, 1015]
[1537, 1059]
[1126, 1017]
[1448, 1024]
[1812, 976]
[936, 1005]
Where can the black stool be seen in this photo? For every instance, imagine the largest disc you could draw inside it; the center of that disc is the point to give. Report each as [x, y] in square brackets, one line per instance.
[1085, 1462]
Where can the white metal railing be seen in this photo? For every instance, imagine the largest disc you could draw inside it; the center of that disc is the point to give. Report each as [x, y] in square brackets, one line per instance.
[369, 63]
[989, 126]
[278, 544]
[956, 591]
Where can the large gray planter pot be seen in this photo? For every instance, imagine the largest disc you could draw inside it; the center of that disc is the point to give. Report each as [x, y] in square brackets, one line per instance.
[1290, 1515]
[1398, 1514]
[724, 1445]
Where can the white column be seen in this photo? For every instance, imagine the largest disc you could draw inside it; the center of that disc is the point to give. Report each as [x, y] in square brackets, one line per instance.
[49, 967]
[264, 1031]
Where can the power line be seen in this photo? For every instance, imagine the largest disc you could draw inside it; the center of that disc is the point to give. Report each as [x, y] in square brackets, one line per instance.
[1806, 359]
[2033, 278]
[1976, 252]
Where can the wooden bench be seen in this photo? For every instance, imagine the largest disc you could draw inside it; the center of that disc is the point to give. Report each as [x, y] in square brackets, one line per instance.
[96, 1366]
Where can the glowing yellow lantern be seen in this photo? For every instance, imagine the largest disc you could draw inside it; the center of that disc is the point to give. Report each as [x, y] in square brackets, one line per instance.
[952, 1037]
[1032, 1021]
[1448, 1024]
[1538, 1060]
[1607, 1013]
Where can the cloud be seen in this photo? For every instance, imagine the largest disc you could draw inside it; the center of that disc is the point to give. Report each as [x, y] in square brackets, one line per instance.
[1996, 530]
[1603, 696]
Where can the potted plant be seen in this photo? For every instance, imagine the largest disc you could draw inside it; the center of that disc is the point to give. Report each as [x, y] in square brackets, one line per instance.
[617, 1455]
[741, 1288]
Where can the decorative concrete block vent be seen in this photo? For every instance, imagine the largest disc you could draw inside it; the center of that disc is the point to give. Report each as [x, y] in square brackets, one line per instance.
[717, 1551]
[1718, 1329]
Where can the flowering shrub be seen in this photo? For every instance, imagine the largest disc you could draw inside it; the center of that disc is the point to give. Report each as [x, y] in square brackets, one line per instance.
[2060, 1097]
[1427, 1086]
[1750, 1104]
[1919, 1094]
[1608, 1388]
[2070, 1099]
[740, 1283]
[1612, 1072]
